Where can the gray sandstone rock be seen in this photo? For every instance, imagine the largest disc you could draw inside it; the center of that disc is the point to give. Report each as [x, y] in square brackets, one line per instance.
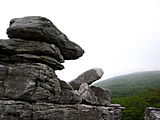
[15, 110]
[73, 112]
[65, 86]
[20, 110]
[152, 113]
[29, 82]
[29, 58]
[103, 95]
[88, 77]
[94, 95]
[68, 95]
[88, 96]
[19, 46]
[41, 29]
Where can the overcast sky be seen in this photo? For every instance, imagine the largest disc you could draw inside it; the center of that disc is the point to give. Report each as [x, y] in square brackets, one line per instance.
[120, 36]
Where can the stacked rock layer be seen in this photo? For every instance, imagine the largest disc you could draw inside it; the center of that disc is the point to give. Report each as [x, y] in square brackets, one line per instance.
[29, 87]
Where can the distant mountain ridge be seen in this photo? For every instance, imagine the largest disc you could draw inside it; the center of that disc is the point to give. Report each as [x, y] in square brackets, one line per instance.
[131, 84]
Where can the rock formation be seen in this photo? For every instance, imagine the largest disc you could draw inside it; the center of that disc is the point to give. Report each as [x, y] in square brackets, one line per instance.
[152, 113]
[29, 87]
[41, 29]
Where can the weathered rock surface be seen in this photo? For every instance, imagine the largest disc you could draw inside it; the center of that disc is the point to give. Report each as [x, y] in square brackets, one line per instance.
[41, 29]
[68, 95]
[29, 87]
[88, 77]
[19, 46]
[88, 96]
[18, 110]
[29, 82]
[21, 51]
[15, 110]
[94, 95]
[29, 58]
[76, 112]
[33, 92]
[103, 95]
[152, 113]
[65, 85]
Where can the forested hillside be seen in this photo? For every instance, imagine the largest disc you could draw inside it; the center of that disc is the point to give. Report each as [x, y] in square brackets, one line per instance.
[131, 84]
[134, 91]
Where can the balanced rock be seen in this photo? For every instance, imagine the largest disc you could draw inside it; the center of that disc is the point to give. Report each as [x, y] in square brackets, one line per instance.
[29, 87]
[41, 29]
[88, 77]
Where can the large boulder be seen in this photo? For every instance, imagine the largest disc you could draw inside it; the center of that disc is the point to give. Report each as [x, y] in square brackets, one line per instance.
[88, 77]
[29, 82]
[41, 29]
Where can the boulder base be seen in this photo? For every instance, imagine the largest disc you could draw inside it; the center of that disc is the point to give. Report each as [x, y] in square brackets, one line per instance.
[29, 82]
[18, 110]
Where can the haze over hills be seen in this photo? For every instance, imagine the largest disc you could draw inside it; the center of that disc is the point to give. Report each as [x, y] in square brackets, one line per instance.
[131, 84]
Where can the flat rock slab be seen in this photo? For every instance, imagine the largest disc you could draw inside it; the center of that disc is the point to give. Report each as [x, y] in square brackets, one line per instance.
[18, 110]
[29, 82]
[88, 77]
[19, 46]
[41, 29]
[29, 58]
